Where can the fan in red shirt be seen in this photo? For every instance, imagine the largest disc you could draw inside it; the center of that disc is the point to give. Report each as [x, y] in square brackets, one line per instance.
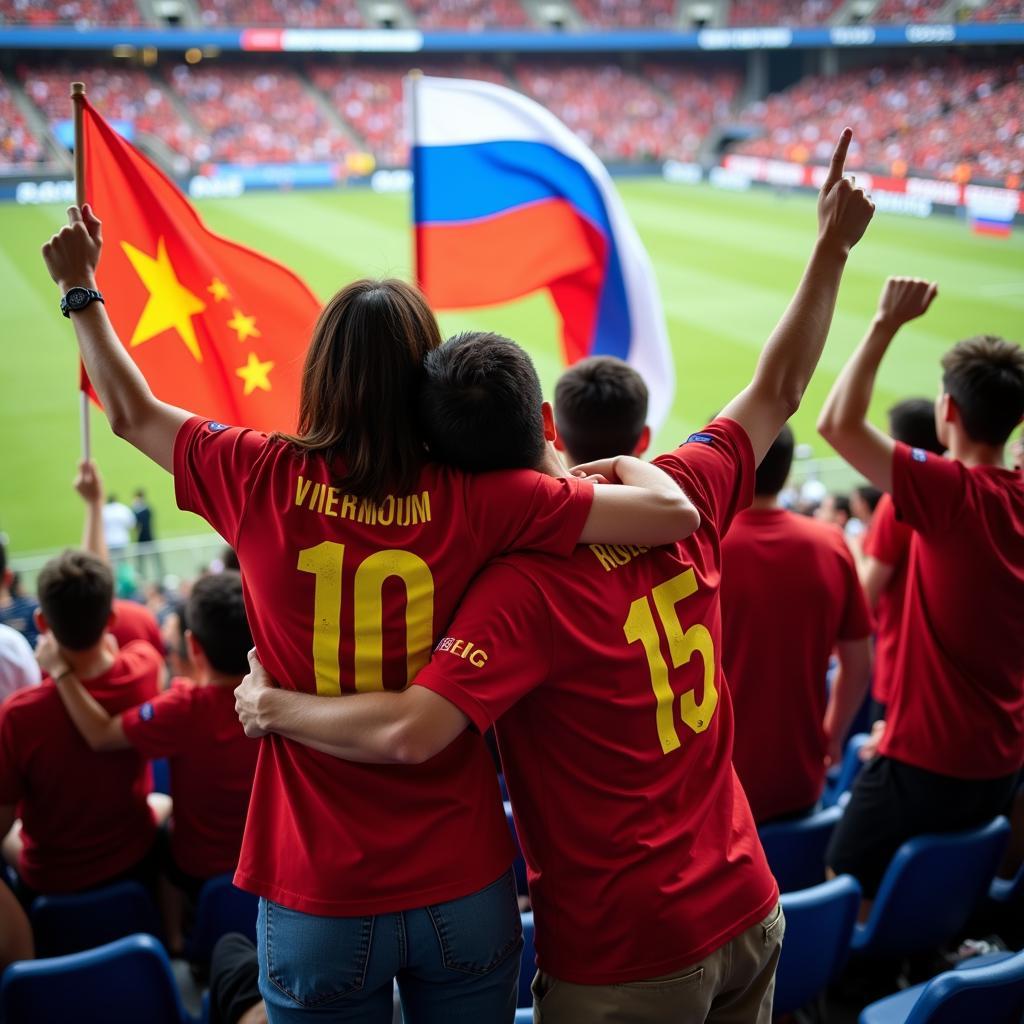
[193, 724]
[886, 550]
[652, 897]
[953, 740]
[354, 552]
[790, 596]
[85, 820]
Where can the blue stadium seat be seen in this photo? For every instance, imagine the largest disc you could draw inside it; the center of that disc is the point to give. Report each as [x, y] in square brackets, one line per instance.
[524, 1016]
[527, 964]
[819, 924]
[124, 982]
[842, 781]
[929, 890]
[992, 993]
[72, 922]
[161, 775]
[502, 786]
[1008, 891]
[222, 908]
[519, 864]
[796, 849]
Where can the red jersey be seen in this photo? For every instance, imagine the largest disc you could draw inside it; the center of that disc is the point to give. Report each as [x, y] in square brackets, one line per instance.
[603, 674]
[888, 540]
[84, 815]
[212, 764]
[789, 592]
[957, 700]
[348, 595]
[134, 621]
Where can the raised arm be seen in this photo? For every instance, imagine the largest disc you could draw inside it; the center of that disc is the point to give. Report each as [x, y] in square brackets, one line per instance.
[374, 728]
[648, 507]
[843, 421]
[134, 412]
[794, 348]
[100, 730]
[89, 485]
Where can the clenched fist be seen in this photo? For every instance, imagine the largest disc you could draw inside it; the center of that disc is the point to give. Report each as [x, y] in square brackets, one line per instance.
[72, 254]
[905, 299]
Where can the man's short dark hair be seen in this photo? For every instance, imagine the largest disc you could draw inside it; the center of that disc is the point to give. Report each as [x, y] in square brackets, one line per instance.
[76, 594]
[775, 466]
[3, 561]
[215, 613]
[984, 375]
[480, 404]
[869, 494]
[600, 408]
[912, 421]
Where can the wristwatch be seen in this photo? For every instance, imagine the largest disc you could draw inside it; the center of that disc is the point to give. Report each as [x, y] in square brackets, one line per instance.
[78, 298]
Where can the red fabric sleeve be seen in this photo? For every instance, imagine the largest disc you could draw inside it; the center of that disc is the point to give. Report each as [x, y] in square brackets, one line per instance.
[520, 510]
[162, 726]
[856, 623]
[887, 539]
[715, 467]
[928, 490]
[11, 790]
[505, 620]
[213, 468]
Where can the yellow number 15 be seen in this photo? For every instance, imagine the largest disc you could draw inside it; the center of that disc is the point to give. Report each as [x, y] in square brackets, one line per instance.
[640, 628]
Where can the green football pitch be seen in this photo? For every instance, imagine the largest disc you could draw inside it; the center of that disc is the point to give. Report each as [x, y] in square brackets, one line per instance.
[726, 265]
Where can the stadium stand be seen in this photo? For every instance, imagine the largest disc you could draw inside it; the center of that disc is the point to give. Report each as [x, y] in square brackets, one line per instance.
[999, 10]
[471, 15]
[258, 115]
[956, 120]
[628, 13]
[302, 14]
[781, 12]
[902, 11]
[122, 94]
[83, 13]
[18, 145]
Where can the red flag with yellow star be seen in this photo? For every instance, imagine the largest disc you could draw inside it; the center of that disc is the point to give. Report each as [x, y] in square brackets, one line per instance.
[215, 327]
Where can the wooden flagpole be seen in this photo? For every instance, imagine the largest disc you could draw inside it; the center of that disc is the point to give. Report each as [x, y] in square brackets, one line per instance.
[77, 99]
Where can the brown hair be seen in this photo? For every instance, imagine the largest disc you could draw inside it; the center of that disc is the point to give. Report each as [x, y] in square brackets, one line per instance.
[600, 408]
[984, 375]
[76, 593]
[360, 381]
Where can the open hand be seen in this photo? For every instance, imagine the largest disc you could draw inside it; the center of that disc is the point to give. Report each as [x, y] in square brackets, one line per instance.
[844, 211]
[904, 299]
[89, 483]
[248, 695]
[71, 255]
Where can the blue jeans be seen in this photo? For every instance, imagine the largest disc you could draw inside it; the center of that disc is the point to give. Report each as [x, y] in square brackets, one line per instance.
[456, 962]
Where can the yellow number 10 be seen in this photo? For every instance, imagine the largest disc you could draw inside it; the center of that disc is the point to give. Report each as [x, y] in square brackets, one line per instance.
[682, 643]
[325, 561]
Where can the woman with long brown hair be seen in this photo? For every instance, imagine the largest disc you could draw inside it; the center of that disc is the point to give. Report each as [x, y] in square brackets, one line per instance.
[355, 549]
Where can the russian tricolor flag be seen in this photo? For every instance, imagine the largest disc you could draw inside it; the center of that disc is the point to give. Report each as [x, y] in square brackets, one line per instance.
[507, 201]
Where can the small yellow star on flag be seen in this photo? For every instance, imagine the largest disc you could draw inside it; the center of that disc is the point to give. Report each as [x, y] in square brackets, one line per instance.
[170, 305]
[255, 374]
[244, 326]
[219, 290]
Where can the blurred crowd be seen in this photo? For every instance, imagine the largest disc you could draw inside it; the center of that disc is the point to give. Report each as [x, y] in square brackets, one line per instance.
[294, 13]
[954, 119]
[473, 15]
[781, 12]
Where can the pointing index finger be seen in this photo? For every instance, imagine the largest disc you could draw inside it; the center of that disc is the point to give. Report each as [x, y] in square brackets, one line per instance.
[835, 170]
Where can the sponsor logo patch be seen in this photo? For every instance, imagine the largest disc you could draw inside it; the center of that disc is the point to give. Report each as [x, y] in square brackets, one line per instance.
[700, 439]
[146, 712]
[215, 428]
[918, 454]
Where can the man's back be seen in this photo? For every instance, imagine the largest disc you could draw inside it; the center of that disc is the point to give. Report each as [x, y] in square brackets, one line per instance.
[789, 593]
[642, 851]
[84, 814]
[957, 705]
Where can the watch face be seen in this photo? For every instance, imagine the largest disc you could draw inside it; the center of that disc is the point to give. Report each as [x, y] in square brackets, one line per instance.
[76, 298]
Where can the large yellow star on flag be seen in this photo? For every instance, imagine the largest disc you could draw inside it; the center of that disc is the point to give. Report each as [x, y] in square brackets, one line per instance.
[255, 374]
[244, 326]
[170, 306]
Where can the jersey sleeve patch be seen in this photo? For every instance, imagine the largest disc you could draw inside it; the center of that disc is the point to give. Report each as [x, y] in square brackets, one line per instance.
[700, 438]
[215, 427]
[146, 712]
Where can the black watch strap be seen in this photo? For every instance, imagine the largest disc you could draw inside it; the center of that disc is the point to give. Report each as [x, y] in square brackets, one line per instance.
[75, 299]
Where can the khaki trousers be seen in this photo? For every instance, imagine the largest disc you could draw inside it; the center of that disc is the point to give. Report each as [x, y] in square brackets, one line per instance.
[734, 985]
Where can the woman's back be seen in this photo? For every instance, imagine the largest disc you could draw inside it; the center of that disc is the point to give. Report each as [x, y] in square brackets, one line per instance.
[346, 595]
